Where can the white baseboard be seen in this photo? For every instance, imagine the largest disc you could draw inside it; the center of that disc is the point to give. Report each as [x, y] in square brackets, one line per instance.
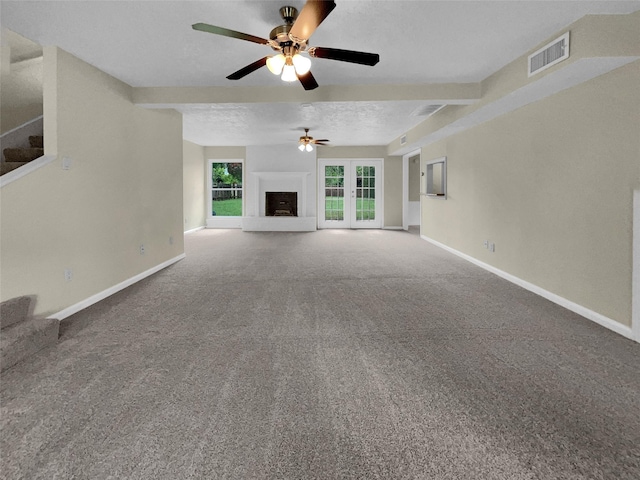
[187, 232]
[392, 228]
[110, 291]
[635, 276]
[600, 319]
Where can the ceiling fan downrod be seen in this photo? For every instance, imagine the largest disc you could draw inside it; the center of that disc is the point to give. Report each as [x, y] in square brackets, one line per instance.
[289, 14]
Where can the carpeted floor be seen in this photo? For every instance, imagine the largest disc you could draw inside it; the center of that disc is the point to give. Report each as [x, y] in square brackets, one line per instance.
[327, 355]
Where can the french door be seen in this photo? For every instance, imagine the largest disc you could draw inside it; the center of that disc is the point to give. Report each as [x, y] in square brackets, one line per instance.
[350, 193]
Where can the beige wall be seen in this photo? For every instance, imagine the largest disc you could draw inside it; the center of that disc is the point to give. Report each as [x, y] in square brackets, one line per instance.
[13, 118]
[392, 176]
[393, 191]
[20, 80]
[597, 41]
[124, 189]
[551, 184]
[20, 94]
[194, 186]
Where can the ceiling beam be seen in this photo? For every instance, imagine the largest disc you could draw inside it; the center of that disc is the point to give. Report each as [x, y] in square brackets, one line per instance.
[444, 93]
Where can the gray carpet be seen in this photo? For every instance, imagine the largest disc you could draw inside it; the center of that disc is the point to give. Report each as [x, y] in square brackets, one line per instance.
[332, 354]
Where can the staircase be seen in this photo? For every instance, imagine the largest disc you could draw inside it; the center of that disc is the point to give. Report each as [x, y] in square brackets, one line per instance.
[23, 334]
[17, 157]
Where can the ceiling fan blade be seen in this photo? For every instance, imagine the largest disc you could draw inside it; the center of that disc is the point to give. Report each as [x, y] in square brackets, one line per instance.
[363, 58]
[311, 15]
[320, 143]
[321, 140]
[308, 81]
[243, 72]
[204, 27]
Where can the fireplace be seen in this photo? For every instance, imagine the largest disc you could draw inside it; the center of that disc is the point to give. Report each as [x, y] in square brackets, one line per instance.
[293, 194]
[281, 204]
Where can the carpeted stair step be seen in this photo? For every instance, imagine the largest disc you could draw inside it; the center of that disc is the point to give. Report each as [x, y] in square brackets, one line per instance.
[22, 154]
[16, 310]
[6, 167]
[23, 339]
[36, 141]
[23, 334]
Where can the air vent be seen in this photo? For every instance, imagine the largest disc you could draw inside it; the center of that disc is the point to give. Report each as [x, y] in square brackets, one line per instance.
[549, 55]
[426, 110]
[403, 139]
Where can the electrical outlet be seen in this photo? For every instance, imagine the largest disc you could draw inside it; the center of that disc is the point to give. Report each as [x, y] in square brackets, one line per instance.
[66, 163]
[486, 244]
[68, 274]
[492, 247]
[141, 249]
[170, 240]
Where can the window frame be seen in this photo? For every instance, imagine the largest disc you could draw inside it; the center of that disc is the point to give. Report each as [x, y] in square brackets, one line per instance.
[216, 221]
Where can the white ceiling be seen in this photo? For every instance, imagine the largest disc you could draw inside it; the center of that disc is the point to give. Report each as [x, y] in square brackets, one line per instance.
[151, 43]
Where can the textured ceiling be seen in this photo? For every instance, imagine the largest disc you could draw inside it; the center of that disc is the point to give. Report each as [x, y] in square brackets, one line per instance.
[151, 43]
[353, 123]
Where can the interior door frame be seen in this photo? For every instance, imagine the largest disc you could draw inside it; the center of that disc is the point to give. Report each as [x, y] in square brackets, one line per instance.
[350, 163]
[405, 187]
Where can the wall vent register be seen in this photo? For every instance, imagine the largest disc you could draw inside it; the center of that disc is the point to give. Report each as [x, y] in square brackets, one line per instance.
[552, 53]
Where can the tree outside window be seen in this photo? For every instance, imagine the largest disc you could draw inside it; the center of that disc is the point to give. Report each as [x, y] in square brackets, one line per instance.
[226, 189]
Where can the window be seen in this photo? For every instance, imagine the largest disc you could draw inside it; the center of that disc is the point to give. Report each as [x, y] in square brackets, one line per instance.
[334, 192]
[226, 189]
[365, 192]
[436, 178]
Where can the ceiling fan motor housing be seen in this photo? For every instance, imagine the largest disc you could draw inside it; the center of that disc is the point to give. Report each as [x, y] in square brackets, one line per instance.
[280, 34]
[306, 138]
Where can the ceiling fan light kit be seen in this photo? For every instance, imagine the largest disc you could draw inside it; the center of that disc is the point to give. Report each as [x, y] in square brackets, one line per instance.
[291, 40]
[276, 63]
[307, 142]
[302, 64]
[289, 71]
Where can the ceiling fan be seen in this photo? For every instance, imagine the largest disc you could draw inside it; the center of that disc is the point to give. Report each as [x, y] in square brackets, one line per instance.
[290, 40]
[306, 141]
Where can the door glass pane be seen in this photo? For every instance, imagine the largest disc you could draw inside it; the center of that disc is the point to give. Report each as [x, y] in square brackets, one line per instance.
[226, 189]
[334, 192]
[365, 193]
